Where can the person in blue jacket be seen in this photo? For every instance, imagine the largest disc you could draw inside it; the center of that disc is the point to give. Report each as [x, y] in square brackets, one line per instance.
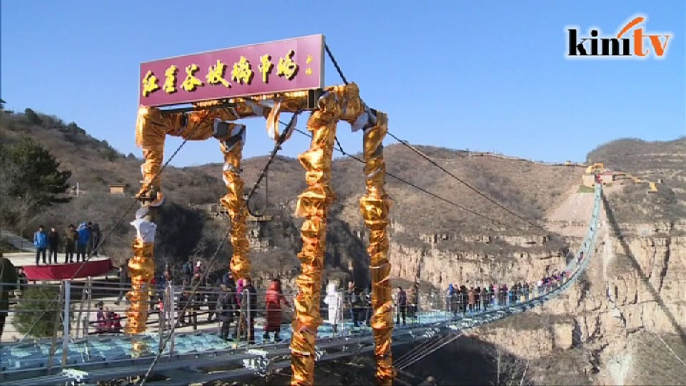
[82, 242]
[40, 241]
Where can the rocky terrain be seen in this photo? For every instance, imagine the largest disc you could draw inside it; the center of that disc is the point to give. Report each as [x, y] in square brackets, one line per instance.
[625, 322]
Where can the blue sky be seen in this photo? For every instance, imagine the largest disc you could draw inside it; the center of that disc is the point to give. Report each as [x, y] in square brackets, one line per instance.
[487, 76]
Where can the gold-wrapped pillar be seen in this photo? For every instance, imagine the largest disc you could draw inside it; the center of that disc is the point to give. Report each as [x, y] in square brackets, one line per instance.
[313, 205]
[150, 134]
[375, 207]
[151, 128]
[233, 201]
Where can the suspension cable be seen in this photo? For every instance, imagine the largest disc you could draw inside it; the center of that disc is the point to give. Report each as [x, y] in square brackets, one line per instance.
[419, 348]
[445, 342]
[477, 191]
[272, 156]
[427, 347]
[145, 190]
[340, 150]
[335, 64]
[340, 73]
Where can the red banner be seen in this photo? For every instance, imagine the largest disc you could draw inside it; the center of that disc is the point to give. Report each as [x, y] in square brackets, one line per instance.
[67, 271]
[267, 68]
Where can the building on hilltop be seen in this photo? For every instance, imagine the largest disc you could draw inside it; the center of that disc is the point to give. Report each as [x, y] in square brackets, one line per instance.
[118, 188]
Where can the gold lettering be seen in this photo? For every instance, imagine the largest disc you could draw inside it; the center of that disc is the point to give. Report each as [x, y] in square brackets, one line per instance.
[191, 82]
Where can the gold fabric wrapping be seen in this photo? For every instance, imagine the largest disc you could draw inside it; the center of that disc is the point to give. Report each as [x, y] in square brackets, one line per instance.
[150, 135]
[375, 207]
[233, 201]
[313, 205]
[152, 127]
[141, 270]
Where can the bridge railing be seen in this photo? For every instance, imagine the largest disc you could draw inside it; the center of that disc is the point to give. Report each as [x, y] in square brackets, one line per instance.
[97, 308]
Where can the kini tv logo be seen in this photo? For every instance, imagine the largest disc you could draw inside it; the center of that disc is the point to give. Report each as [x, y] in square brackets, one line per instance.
[631, 42]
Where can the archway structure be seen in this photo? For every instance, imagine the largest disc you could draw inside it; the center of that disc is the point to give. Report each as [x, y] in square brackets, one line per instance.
[256, 87]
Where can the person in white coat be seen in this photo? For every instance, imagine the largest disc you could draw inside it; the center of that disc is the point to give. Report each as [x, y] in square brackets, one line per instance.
[335, 302]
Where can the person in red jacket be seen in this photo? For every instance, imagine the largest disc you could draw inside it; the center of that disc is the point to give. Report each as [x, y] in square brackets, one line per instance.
[273, 300]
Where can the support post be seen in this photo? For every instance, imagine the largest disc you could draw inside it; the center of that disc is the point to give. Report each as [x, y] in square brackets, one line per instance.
[150, 136]
[66, 321]
[375, 207]
[313, 205]
[53, 341]
[233, 201]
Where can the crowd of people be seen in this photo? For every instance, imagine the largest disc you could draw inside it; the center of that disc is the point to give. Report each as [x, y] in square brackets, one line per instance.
[81, 241]
[235, 304]
[232, 303]
[107, 320]
[352, 304]
[460, 299]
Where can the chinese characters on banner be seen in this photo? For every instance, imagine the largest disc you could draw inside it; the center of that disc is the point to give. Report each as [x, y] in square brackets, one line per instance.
[287, 65]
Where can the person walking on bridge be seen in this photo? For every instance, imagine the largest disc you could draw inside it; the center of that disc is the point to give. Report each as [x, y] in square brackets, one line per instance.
[413, 297]
[402, 305]
[335, 302]
[449, 298]
[40, 241]
[273, 300]
[471, 297]
[70, 238]
[226, 309]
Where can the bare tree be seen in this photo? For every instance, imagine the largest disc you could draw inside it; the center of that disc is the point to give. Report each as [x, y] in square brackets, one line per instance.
[509, 370]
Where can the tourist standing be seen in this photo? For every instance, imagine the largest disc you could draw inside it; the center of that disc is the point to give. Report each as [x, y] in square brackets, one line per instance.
[82, 242]
[89, 245]
[96, 235]
[53, 243]
[40, 241]
[335, 302]
[402, 305]
[273, 300]
[70, 238]
[226, 309]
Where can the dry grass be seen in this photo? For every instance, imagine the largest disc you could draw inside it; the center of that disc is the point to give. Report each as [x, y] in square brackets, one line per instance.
[651, 161]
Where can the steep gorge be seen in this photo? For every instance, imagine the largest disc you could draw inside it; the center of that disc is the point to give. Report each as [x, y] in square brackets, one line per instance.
[624, 323]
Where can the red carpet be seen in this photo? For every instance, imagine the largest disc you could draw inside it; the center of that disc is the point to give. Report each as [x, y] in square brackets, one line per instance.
[67, 271]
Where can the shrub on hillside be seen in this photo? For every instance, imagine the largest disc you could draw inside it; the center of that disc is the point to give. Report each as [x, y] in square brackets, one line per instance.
[37, 311]
[30, 180]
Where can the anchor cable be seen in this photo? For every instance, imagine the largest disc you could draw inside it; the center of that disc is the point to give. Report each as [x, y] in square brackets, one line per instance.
[340, 150]
[511, 212]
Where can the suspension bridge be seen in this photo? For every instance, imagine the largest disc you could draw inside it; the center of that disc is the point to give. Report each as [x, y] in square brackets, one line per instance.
[202, 356]
[154, 345]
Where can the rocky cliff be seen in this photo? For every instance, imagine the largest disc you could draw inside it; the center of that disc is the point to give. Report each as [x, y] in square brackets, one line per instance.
[623, 322]
[441, 259]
